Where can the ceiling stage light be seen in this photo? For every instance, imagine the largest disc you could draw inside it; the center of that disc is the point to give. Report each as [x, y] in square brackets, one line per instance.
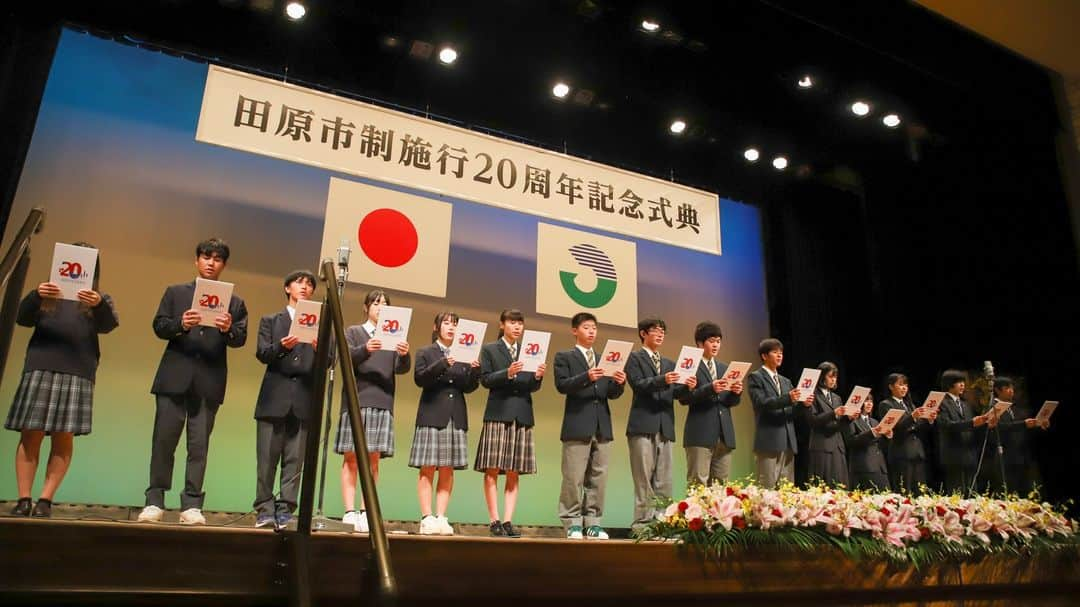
[892, 121]
[751, 154]
[560, 90]
[806, 82]
[779, 163]
[678, 127]
[860, 108]
[447, 55]
[295, 10]
[650, 26]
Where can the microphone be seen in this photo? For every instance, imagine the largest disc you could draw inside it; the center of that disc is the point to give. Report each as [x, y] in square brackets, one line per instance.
[988, 370]
[343, 254]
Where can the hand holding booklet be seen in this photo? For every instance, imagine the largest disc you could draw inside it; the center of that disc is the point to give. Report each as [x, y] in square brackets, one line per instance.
[534, 349]
[468, 339]
[999, 409]
[887, 423]
[854, 403]
[614, 357]
[687, 363]
[392, 328]
[211, 300]
[305, 322]
[736, 372]
[932, 404]
[807, 382]
[1046, 411]
[73, 269]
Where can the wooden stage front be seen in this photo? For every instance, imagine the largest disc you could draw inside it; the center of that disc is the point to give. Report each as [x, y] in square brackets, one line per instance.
[71, 561]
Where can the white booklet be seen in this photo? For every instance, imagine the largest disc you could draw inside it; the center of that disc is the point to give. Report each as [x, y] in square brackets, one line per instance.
[534, 349]
[305, 322]
[211, 299]
[999, 409]
[468, 339]
[392, 327]
[854, 403]
[736, 372]
[807, 382]
[614, 357]
[892, 416]
[933, 402]
[687, 363]
[1046, 411]
[73, 269]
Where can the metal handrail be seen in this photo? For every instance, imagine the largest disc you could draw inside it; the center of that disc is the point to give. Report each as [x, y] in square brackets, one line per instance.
[13, 276]
[332, 319]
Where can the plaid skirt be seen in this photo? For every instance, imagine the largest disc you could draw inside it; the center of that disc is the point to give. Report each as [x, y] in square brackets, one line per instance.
[506, 446]
[440, 447]
[52, 402]
[378, 430]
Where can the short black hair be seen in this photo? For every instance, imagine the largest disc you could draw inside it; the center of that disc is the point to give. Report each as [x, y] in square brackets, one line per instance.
[1003, 382]
[952, 377]
[896, 378]
[645, 324]
[439, 318]
[375, 295]
[581, 317]
[296, 275]
[705, 330]
[769, 345]
[213, 246]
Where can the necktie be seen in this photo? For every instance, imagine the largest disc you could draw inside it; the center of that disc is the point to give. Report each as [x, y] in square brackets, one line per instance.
[776, 382]
[656, 362]
[590, 358]
[712, 369]
[513, 352]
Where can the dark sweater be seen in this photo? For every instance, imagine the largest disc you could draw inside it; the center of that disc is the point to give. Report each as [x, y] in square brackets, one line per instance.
[65, 339]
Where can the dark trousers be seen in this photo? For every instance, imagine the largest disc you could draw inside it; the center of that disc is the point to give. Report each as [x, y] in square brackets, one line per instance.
[958, 478]
[174, 411]
[905, 475]
[278, 441]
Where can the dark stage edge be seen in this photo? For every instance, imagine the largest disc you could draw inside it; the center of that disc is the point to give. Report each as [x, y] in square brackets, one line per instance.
[78, 561]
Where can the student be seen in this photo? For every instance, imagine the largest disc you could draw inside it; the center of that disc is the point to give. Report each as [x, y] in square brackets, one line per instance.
[650, 430]
[1011, 432]
[907, 450]
[506, 440]
[709, 433]
[56, 393]
[586, 431]
[375, 368]
[442, 421]
[866, 450]
[284, 405]
[774, 400]
[190, 384]
[826, 452]
[958, 442]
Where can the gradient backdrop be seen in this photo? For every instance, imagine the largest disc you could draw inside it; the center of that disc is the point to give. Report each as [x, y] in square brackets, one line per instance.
[114, 162]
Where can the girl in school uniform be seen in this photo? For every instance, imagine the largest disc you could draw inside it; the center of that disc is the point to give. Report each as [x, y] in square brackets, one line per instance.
[440, 442]
[56, 393]
[826, 451]
[506, 440]
[907, 451]
[375, 369]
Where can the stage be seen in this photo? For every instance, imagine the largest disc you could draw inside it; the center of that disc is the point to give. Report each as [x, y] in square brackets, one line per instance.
[94, 555]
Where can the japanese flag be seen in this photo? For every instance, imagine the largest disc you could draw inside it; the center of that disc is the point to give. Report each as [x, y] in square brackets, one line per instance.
[399, 241]
[582, 272]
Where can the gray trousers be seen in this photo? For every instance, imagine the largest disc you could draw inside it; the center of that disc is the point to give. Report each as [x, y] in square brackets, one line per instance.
[174, 411]
[650, 465]
[584, 480]
[774, 465]
[279, 440]
[704, 465]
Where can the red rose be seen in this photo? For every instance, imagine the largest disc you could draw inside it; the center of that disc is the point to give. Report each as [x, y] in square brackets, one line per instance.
[907, 501]
[776, 512]
[832, 502]
[738, 522]
[941, 510]
[696, 524]
[924, 532]
[730, 491]
[885, 511]
[683, 506]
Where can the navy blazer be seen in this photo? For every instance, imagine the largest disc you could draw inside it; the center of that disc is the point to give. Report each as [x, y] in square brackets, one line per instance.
[774, 413]
[958, 439]
[443, 389]
[709, 416]
[866, 453]
[375, 371]
[826, 430]
[287, 383]
[65, 339]
[508, 400]
[909, 434]
[653, 408]
[587, 413]
[194, 360]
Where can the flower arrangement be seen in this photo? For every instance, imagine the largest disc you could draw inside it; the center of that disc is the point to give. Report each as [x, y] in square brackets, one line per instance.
[914, 529]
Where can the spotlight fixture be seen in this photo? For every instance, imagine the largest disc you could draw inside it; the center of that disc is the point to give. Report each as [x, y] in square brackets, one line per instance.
[891, 120]
[650, 26]
[295, 10]
[751, 154]
[860, 108]
[806, 82]
[560, 90]
[447, 55]
[678, 127]
[779, 163]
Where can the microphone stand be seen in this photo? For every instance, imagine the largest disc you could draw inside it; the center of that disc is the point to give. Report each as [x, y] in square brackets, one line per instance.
[320, 520]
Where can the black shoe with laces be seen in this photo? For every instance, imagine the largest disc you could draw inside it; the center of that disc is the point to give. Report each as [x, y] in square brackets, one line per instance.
[496, 529]
[22, 507]
[509, 530]
[42, 509]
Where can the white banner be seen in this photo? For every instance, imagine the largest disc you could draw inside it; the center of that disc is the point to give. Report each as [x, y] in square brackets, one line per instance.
[281, 120]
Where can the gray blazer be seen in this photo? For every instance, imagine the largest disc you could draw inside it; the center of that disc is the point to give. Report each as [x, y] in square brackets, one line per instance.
[709, 416]
[587, 413]
[774, 413]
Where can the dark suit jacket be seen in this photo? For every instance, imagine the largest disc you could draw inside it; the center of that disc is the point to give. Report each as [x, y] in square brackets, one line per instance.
[375, 371]
[286, 384]
[826, 431]
[774, 413]
[653, 408]
[508, 399]
[194, 361]
[908, 434]
[866, 454]
[444, 387]
[709, 416]
[958, 440]
[587, 413]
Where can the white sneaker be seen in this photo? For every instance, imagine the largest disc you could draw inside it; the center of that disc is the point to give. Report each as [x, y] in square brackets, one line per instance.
[444, 526]
[361, 525]
[431, 525]
[151, 514]
[349, 518]
[192, 516]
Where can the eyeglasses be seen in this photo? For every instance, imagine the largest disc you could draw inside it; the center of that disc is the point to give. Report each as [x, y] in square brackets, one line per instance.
[657, 331]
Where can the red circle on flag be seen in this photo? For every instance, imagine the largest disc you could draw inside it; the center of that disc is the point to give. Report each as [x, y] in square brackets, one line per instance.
[387, 237]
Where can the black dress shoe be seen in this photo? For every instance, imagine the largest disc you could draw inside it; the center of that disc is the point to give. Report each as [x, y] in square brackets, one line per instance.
[496, 529]
[510, 531]
[42, 509]
[22, 507]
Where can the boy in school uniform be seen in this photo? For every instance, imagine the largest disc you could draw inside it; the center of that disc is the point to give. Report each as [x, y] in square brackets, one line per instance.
[190, 384]
[650, 430]
[774, 400]
[586, 431]
[284, 405]
[709, 434]
[958, 440]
